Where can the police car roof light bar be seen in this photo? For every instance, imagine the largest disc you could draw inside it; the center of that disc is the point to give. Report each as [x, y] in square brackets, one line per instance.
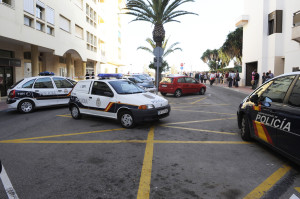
[108, 75]
[46, 73]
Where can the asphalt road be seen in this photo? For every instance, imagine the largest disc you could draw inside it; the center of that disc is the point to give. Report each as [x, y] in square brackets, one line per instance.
[196, 152]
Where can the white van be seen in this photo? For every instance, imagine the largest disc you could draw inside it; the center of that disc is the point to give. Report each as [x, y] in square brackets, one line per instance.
[117, 99]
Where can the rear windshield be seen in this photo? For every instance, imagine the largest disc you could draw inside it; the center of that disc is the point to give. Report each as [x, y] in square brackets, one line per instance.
[167, 80]
[15, 84]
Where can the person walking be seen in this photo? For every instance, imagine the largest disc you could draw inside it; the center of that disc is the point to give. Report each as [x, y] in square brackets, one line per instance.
[212, 78]
[252, 78]
[197, 76]
[201, 77]
[93, 75]
[230, 78]
[87, 75]
[256, 79]
[264, 77]
[205, 77]
[237, 79]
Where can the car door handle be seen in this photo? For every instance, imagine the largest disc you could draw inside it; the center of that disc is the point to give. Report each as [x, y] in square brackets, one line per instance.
[37, 91]
[59, 90]
[90, 97]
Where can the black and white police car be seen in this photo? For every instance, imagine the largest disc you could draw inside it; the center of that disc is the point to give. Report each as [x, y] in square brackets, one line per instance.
[271, 114]
[118, 99]
[41, 91]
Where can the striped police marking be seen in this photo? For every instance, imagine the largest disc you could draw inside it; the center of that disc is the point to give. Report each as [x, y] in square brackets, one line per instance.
[10, 191]
[261, 132]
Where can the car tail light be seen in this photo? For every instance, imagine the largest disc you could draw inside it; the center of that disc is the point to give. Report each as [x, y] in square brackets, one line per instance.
[12, 94]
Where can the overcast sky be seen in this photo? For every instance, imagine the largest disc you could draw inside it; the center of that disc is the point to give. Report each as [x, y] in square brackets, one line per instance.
[208, 30]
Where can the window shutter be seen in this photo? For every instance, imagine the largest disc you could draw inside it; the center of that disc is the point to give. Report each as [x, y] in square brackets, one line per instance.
[64, 23]
[41, 4]
[50, 15]
[28, 6]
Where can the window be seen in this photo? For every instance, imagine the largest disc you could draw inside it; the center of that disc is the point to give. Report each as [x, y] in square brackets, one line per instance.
[167, 80]
[295, 95]
[78, 32]
[62, 72]
[91, 16]
[62, 83]
[99, 88]
[91, 41]
[28, 6]
[50, 15]
[28, 21]
[28, 84]
[275, 22]
[39, 10]
[181, 80]
[189, 80]
[43, 83]
[7, 2]
[50, 30]
[39, 26]
[64, 23]
[277, 90]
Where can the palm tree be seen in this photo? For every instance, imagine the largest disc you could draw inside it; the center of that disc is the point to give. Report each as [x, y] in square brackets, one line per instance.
[158, 13]
[169, 50]
[211, 58]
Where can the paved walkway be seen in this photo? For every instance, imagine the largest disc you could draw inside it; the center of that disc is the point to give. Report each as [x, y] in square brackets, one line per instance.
[3, 105]
[242, 89]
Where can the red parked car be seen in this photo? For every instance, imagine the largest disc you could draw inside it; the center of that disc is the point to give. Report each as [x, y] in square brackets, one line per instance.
[179, 85]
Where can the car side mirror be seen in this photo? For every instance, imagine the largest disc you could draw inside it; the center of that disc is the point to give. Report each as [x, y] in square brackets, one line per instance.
[108, 94]
[266, 102]
[254, 99]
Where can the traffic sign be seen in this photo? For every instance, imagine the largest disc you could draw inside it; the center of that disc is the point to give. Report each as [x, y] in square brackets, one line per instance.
[158, 51]
[181, 68]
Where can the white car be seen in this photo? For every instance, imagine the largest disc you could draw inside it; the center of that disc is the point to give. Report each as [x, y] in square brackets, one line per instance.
[40, 91]
[117, 99]
[147, 86]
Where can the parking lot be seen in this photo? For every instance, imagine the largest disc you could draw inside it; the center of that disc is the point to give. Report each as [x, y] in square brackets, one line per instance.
[196, 152]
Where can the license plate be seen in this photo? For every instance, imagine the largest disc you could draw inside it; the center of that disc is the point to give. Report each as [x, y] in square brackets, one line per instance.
[163, 85]
[163, 111]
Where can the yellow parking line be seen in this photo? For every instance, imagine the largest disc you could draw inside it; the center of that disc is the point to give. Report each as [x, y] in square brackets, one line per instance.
[62, 135]
[200, 142]
[68, 115]
[73, 141]
[145, 180]
[297, 189]
[259, 191]
[200, 121]
[201, 130]
[198, 100]
[175, 109]
[203, 105]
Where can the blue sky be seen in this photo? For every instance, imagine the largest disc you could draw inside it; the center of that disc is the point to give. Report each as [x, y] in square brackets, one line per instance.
[208, 30]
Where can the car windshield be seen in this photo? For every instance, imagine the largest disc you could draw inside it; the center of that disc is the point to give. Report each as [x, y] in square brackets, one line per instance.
[142, 77]
[135, 79]
[125, 87]
[14, 85]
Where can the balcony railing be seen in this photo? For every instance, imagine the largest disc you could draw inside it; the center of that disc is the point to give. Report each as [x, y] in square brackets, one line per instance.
[296, 19]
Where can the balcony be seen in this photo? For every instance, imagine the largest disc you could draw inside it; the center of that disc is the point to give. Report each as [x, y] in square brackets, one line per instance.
[296, 28]
[241, 21]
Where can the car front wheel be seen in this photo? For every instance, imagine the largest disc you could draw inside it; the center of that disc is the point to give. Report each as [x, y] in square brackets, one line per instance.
[26, 106]
[126, 119]
[75, 112]
[202, 91]
[245, 129]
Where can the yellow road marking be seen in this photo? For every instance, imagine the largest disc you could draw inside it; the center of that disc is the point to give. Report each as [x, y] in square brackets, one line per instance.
[62, 135]
[200, 142]
[67, 115]
[175, 109]
[201, 130]
[200, 121]
[259, 191]
[198, 100]
[145, 180]
[203, 105]
[297, 189]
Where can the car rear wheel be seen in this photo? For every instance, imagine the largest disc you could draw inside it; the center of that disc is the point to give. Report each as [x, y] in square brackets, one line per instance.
[245, 129]
[126, 119]
[163, 94]
[178, 93]
[26, 106]
[75, 112]
[202, 91]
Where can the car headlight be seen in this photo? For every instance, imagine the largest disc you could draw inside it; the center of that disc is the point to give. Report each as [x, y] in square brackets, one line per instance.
[146, 106]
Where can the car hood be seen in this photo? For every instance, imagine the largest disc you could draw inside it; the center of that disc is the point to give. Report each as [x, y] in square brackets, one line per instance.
[143, 99]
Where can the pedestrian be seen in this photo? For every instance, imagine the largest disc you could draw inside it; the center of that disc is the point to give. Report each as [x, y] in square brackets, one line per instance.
[87, 75]
[205, 77]
[252, 78]
[201, 77]
[93, 75]
[271, 75]
[264, 77]
[226, 77]
[212, 78]
[230, 78]
[197, 76]
[256, 79]
[237, 79]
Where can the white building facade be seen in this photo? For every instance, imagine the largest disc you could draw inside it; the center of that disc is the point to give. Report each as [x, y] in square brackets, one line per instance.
[67, 37]
[271, 37]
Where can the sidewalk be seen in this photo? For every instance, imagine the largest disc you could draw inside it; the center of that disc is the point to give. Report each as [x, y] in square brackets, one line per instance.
[3, 105]
[241, 89]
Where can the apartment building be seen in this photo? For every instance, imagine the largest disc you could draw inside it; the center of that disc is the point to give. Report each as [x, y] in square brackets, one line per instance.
[67, 37]
[271, 38]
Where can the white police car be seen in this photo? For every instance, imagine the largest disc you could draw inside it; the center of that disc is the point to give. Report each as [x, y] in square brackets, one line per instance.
[40, 91]
[117, 99]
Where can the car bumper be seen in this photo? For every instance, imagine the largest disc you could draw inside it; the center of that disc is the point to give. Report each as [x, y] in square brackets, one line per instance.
[12, 103]
[150, 114]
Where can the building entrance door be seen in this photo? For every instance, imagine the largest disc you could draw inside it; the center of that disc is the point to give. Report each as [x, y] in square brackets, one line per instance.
[6, 79]
[250, 67]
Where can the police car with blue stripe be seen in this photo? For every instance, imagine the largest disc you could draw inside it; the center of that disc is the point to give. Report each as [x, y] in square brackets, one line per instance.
[118, 99]
[271, 114]
[40, 91]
